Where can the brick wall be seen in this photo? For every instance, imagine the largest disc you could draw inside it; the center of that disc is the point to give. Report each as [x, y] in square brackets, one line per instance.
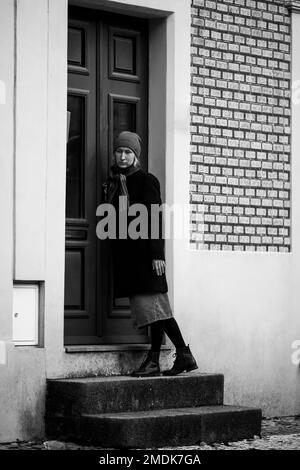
[240, 125]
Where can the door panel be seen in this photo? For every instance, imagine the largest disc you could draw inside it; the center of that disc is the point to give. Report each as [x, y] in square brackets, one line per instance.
[124, 101]
[75, 157]
[107, 93]
[76, 45]
[124, 47]
[81, 241]
[123, 113]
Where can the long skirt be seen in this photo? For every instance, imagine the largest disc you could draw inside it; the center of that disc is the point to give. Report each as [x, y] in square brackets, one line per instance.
[148, 308]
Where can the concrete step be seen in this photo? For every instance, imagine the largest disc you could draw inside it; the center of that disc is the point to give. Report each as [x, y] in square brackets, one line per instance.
[76, 396]
[161, 427]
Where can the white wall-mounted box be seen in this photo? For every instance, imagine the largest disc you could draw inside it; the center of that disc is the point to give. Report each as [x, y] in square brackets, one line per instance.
[26, 314]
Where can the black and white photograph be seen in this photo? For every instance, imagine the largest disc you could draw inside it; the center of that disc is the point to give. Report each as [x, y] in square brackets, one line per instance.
[150, 234]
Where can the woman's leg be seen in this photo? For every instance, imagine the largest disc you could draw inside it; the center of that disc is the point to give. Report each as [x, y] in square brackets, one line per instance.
[171, 327]
[157, 331]
[184, 361]
[150, 365]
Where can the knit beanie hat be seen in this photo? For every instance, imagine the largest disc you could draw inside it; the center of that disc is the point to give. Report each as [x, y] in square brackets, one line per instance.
[130, 140]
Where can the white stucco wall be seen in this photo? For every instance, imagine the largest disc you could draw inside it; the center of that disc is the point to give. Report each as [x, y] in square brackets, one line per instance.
[6, 164]
[6, 202]
[22, 371]
[240, 316]
[31, 132]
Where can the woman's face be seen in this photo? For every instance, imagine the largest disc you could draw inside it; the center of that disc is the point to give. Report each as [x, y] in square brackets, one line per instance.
[124, 157]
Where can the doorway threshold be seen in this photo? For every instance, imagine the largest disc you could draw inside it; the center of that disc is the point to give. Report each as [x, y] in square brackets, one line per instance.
[85, 348]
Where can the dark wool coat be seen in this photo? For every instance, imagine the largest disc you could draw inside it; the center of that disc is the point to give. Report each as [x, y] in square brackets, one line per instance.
[132, 259]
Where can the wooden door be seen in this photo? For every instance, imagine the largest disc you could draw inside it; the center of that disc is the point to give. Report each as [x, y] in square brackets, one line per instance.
[107, 93]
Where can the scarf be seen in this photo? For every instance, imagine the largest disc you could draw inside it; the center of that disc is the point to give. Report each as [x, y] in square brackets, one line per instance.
[116, 184]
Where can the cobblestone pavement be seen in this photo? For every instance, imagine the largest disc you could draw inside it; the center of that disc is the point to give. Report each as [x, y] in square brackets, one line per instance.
[277, 434]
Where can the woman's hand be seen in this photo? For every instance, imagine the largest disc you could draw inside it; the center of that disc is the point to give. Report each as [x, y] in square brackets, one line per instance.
[159, 265]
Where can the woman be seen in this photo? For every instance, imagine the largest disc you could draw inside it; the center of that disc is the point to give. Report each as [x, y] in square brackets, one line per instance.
[139, 264]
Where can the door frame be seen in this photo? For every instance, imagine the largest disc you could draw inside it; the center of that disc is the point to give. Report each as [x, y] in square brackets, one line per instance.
[168, 145]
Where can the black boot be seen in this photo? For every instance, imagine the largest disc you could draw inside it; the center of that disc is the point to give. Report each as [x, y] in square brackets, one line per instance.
[184, 361]
[149, 367]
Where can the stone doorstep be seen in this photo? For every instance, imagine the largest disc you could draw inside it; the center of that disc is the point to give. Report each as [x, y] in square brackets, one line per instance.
[279, 433]
[170, 427]
[129, 412]
[96, 395]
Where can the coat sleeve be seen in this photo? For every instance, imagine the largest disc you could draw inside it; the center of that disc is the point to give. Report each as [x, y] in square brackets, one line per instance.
[152, 196]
